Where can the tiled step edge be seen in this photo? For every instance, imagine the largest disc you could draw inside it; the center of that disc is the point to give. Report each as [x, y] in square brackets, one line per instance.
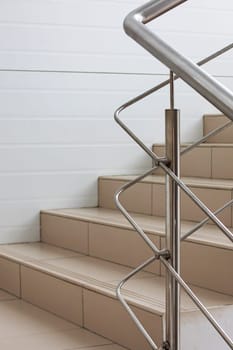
[81, 290]
[109, 235]
[87, 301]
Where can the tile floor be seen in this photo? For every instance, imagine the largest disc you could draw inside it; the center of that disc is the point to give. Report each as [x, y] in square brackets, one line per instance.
[24, 326]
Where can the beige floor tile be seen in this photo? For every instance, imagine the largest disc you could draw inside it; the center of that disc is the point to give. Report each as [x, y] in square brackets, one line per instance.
[212, 198]
[65, 233]
[189, 161]
[210, 122]
[91, 269]
[201, 264]
[222, 165]
[35, 251]
[10, 276]
[17, 318]
[152, 290]
[62, 340]
[59, 297]
[158, 200]
[136, 199]
[107, 317]
[197, 162]
[120, 246]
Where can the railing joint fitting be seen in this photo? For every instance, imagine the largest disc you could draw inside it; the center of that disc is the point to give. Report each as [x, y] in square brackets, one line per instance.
[165, 346]
[164, 161]
[165, 254]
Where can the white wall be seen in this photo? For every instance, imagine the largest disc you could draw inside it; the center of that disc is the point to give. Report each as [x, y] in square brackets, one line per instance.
[65, 65]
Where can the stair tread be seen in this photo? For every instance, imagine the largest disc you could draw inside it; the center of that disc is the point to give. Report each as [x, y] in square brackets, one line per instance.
[145, 290]
[222, 184]
[208, 235]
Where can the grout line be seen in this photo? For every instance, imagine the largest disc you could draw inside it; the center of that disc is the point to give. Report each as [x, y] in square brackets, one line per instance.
[88, 237]
[152, 202]
[83, 313]
[20, 280]
[231, 209]
[211, 162]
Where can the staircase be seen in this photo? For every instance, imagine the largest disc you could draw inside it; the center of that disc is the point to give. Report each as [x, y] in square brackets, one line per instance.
[84, 253]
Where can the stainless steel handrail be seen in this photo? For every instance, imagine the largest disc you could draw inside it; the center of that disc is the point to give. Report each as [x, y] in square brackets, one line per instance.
[198, 79]
[206, 86]
[147, 93]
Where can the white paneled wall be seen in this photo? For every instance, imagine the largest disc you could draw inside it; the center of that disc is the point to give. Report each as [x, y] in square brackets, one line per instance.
[65, 65]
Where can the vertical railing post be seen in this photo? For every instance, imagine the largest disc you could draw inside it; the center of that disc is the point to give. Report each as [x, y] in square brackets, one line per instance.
[173, 224]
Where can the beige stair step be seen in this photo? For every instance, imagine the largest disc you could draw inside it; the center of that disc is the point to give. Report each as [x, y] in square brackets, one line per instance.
[26, 327]
[208, 160]
[81, 289]
[211, 122]
[148, 196]
[109, 235]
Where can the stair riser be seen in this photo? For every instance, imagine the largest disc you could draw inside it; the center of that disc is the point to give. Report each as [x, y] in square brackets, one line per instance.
[209, 267]
[196, 163]
[206, 266]
[211, 122]
[147, 198]
[112, 244]
[104, 242]
[208, 162]
[96, 312]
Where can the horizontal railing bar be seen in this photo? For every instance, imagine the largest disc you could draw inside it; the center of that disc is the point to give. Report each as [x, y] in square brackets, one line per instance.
[204, 221]
[198, 303]
[206, 85]
[126, 306]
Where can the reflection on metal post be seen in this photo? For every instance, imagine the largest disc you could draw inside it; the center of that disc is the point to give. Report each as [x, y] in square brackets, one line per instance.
[173, 225]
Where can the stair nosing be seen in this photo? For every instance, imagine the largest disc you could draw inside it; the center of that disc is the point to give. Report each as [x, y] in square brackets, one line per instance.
[194, 182]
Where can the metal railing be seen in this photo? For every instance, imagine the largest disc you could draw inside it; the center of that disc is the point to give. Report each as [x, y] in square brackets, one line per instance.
[219, 96]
